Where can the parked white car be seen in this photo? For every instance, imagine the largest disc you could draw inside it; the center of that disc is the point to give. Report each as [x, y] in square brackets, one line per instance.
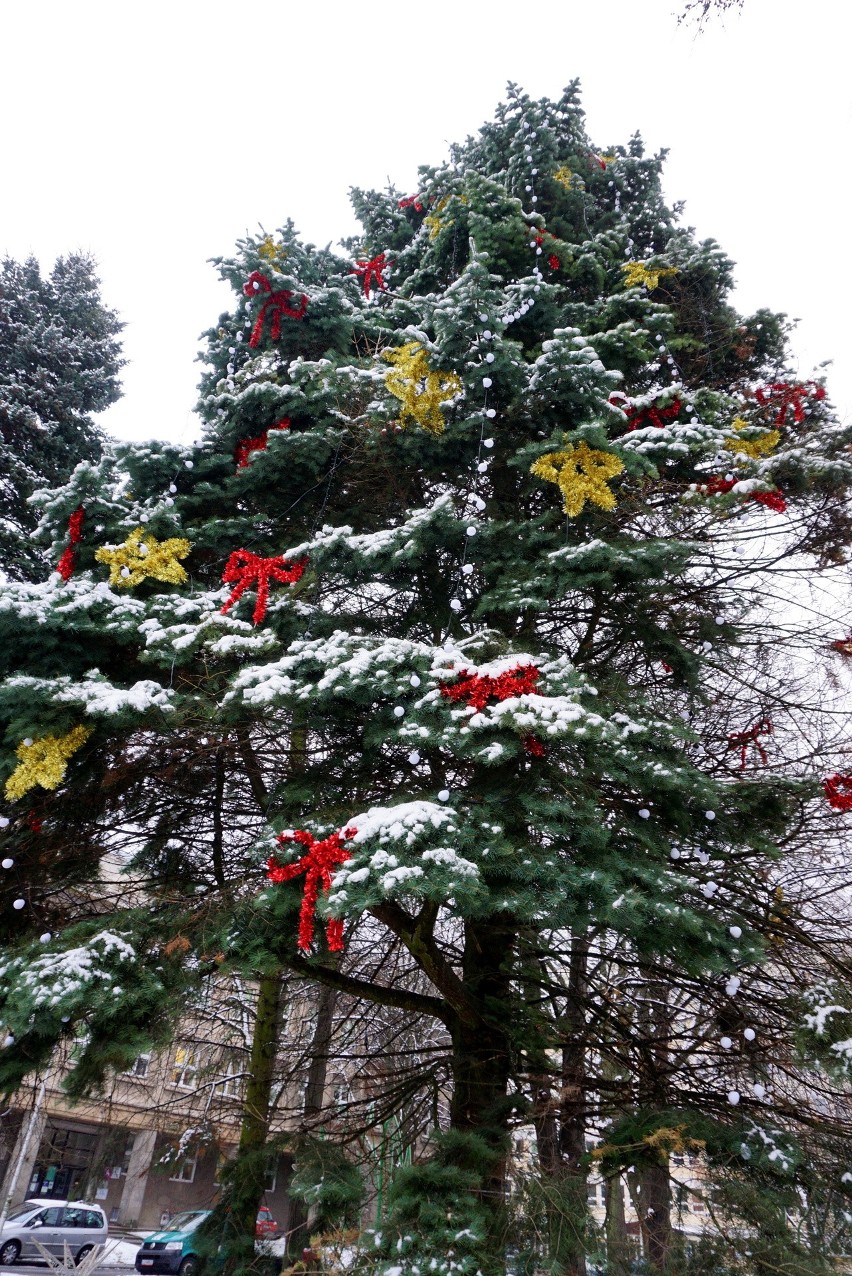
[52, 1224]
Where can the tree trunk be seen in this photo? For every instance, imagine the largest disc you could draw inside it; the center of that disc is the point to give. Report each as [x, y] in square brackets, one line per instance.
[247, 1174]
[653, 1176]
[655, 1215]
[617, 1244]
[567, 1231]
[481, 1060]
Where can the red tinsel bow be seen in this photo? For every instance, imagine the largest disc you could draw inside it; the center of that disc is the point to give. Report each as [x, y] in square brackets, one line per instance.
[772, 500]
[553, 262]
[789, 394]
[843, 645]
[477, 689]
[276, 304]
[838, 790]
[34, 823]
[317, 865]
[244, 569]
[717, 486]
[373, 272]
[652, 415]
[245, 447]
[65, 566]
[533, 746]
[412, 201]
[751, 736]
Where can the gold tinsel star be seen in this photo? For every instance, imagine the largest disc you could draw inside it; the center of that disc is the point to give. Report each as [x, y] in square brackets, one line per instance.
[755, 448]
[636, 273]
[435, 221]
[420, 390]
[563, 176]
[581, 474]
[270, 251]
[44, 762]
[141, 556]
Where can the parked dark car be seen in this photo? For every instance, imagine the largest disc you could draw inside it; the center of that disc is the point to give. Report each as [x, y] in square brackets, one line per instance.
[172, 1249]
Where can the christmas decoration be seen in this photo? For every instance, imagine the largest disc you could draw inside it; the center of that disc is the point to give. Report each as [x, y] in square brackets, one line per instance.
[581, 474]
[772, 500]
[373, 272]
[34, 824]
[477, 689]
[245, 447]
[843, 645]
[44, 761]
[412, 201]
[276, 304]
[317, 864]
[420, 390]
[563, 176]
[838, 790]
[718, 486]
[754, 448]
[786, 395]
[270, 251]
[533, 746]
[65, 566]
[639, 418]
[245, 570]
[751, 736]
[141, 556]
[553, 262]
[637, 273]
[435, 221]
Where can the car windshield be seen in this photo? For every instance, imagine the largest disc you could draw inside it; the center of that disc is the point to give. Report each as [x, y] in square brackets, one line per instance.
[186, 1222]
[20, 1210]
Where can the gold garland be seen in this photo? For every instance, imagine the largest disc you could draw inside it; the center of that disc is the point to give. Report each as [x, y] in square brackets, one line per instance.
[44, 762]
[754, 448]
[143, 556]
[420, 390]
[434, 221]
[637, 273]
[563, 176]
[581, 474]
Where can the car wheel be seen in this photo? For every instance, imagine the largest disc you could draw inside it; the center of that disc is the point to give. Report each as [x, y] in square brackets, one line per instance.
[10, 1253]
[82, 1253]
[189, 1267]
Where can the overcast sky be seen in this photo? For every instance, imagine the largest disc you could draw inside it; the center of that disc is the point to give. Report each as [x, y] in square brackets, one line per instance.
[154, 135]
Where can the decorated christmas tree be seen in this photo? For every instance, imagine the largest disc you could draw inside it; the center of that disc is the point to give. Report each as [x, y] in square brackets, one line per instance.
[442, 637]
[59, 362]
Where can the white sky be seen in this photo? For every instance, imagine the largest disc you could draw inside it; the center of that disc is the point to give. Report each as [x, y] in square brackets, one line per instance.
[153, 135]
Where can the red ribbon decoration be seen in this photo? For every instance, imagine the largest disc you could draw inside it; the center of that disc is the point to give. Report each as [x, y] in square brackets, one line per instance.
[477, 689]
[751, 736]
[784, 395]
[276, 305]
[772, 500]
[65, 566]
[553, 262]
[652, 415]
[244, 569]
[843, 645]
[717, 486]
[838, 790]
[533, 746]
[317, 865]
[412, 201]
[372, 271]
[245, 447]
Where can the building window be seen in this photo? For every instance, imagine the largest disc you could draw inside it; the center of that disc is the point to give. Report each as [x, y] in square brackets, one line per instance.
[185, 1171]
[184, 1069]
[342, 1094]
[270, 1174]
[139, 1066]
[232, 1085]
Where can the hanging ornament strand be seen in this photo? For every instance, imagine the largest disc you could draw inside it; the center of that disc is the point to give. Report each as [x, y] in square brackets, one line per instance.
[317, 864]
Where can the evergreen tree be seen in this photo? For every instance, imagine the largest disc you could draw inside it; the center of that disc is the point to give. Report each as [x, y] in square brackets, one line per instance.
[481, 681]
[60, 360]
